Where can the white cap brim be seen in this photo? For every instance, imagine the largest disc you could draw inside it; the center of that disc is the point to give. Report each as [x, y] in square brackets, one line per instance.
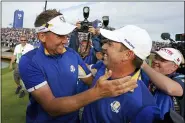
[57, 25]
[163, 55]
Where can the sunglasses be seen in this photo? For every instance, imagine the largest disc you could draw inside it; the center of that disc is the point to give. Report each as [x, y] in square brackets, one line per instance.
[23, 40]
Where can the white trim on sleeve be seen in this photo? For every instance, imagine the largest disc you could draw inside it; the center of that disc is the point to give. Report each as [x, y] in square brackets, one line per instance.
[81, 77]
[37, 86]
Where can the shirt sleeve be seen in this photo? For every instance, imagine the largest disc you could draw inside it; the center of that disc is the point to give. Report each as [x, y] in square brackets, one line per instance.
[83, 70]
[31, 74]
[15, 50]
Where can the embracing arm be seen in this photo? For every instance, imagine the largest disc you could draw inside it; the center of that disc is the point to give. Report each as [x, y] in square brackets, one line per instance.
[163, 82]
[63, 105]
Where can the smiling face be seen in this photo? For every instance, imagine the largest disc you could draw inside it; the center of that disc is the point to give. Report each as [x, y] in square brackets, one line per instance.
[53, 43]
[84, 47]
[115, 53]
[23, 40]
[163, 66]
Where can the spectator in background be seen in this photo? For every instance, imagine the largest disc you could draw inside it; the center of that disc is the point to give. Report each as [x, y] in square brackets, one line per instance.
[19, 50]
[12, 33]
[164, 82]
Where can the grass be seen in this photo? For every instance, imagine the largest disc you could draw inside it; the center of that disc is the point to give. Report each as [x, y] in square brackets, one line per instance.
[13, 108]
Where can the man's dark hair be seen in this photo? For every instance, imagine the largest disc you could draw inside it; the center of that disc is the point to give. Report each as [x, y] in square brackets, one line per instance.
[46, 16]
[137, 62]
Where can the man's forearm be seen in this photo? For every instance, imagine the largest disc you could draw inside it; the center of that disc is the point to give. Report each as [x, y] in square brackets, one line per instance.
[163, 82]
[12, 60]
[88, 81]
[65, 105]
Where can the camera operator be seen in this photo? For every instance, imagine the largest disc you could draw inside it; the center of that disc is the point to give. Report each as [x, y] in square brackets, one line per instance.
[86, 50]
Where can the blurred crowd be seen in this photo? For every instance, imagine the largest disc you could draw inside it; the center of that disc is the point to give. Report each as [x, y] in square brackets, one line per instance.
[10, 36]
[157, 45]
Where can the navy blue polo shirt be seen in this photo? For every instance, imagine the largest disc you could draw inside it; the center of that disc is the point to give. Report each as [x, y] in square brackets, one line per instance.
[136, 107]
[90, 58]
[60, 72]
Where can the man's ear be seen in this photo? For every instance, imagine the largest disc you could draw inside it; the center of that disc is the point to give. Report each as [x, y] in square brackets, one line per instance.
[41, 37]
[130, 55]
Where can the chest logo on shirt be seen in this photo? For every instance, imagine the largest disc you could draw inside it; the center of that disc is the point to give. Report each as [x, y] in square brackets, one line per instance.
[115, 106]
[72, 68]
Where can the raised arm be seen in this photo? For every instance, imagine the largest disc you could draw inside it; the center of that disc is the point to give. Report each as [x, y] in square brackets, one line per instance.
[163, 82]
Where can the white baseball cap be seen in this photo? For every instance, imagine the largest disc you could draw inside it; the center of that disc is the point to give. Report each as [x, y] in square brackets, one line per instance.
[133, 37]
[57, 25]
[170, 54]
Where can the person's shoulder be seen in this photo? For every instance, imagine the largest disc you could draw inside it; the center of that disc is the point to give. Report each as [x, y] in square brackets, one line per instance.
[27, 59]
[30, 54]
[71, 51]
[29, 45]
[178, 76]
[100, 68]
[18, 45]
[98, 65]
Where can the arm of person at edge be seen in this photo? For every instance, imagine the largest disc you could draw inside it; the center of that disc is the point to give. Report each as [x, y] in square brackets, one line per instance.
[13, 58]
[55, 106]
[163, 82]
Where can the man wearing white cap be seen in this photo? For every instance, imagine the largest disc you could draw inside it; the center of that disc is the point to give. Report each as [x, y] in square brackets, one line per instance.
[165, 84]
[124, 52]
[50, 74]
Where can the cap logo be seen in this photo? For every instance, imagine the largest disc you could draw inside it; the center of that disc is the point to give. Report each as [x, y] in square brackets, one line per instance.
[42, 29]
[167, 51]
[62, 19]
[178, 60]
[128, 42]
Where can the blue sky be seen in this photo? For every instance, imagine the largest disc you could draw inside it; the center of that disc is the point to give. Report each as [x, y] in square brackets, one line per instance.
[155, 17]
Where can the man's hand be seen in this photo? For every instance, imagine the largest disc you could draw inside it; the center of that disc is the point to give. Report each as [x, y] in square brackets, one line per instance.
[112, 88]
